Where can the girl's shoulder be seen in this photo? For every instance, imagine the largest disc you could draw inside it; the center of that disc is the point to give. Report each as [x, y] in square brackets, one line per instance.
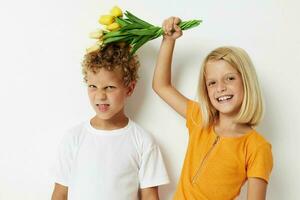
[256, 140]
[193, 113]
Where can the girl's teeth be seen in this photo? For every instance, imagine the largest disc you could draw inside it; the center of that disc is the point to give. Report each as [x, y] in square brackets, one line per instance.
[223, 98]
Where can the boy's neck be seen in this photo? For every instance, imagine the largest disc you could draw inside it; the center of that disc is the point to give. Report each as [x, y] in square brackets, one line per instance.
[109, 124]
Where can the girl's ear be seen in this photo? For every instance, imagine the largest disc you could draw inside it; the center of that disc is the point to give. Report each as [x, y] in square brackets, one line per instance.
[130, 88]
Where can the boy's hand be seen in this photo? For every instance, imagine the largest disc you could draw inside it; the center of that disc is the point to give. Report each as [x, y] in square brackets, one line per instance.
[171, 28]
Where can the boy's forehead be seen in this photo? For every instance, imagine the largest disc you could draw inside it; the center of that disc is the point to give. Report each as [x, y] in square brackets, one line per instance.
[104, 74]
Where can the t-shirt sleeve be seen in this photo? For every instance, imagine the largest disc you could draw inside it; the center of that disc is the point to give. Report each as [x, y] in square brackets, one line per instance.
[193, 115]
[152, 169]
[260, 163]
[64, 161]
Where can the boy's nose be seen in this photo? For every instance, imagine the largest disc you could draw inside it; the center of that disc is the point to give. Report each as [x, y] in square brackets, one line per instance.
[101, 95]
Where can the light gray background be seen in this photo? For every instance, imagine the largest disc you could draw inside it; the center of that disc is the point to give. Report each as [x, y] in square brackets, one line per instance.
[42, 92]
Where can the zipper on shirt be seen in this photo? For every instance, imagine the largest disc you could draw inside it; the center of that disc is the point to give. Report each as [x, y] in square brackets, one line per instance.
[204, 159]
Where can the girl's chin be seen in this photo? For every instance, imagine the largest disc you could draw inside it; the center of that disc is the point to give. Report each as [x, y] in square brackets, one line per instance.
[229, 112]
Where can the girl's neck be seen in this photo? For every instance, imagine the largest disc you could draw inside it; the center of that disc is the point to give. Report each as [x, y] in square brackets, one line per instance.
[226, 125]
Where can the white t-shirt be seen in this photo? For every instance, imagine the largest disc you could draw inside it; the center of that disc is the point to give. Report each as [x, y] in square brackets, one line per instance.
[109, 165]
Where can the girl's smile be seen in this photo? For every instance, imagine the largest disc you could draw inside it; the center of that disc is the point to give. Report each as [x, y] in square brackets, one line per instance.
[224, 86]
[224, 98]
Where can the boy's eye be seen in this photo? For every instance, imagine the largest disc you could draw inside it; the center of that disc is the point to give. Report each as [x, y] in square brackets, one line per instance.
[92, 86]
[110, 87]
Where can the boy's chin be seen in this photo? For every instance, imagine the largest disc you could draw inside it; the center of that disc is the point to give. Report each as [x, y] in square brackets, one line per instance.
[110, 116]
[103, 116]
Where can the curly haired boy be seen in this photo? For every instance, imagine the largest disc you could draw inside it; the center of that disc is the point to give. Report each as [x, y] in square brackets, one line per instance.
[109, 157]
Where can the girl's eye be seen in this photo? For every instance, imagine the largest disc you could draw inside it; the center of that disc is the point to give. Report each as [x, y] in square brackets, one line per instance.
[230, 78]
[211, 83]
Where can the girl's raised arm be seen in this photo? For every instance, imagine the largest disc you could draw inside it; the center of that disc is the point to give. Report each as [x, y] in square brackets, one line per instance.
[162, 84]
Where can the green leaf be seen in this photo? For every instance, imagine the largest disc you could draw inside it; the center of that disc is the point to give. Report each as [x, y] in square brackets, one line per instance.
[121, 21]
[136, 39]
[142, 31]
[131, 26]
[189, 24]
[116, 39]
[133, 18]
[158, 33]
[137, 45]
[114, 33]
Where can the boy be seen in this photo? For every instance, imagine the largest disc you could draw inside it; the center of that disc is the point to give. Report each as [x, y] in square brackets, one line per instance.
[109, 157]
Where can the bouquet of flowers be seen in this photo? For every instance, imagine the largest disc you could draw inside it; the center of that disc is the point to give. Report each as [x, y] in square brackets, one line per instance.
[131, 29]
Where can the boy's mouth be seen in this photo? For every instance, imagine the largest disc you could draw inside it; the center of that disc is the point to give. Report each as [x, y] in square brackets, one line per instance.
[224, 98]
[102, 107]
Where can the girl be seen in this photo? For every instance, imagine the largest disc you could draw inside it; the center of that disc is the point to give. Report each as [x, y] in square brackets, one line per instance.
[224, 149]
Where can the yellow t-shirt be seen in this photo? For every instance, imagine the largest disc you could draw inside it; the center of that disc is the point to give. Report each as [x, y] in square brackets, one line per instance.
[216, 167]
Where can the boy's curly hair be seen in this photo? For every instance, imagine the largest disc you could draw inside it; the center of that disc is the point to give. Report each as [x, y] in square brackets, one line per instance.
[112, 57]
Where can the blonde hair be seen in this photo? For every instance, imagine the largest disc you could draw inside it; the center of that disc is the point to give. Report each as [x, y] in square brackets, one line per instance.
[252, 107]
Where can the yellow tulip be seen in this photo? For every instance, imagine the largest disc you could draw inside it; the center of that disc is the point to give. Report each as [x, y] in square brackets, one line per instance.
[116, 11]
[97, 34]
[113, 27]
[99, 42]
[106, 19]
[95, 47]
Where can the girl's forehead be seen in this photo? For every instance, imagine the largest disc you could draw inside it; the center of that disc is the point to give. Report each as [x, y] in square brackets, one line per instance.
[218, 67]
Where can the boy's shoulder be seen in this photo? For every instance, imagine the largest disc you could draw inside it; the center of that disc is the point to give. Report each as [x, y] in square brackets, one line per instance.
[141, 136]
[139, 131]
[73, 133]
[75, 129]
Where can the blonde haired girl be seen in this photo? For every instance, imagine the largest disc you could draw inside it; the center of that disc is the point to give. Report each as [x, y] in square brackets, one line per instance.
[224, 149]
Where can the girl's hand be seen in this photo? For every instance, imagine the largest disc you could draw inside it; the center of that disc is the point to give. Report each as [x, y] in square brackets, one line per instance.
[171, 28]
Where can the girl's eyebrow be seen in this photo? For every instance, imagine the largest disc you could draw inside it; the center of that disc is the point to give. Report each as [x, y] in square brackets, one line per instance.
[235, 73]
[210, 79]
[230, 73]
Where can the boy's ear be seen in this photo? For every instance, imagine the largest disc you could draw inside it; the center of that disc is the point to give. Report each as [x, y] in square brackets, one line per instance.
[131, 87]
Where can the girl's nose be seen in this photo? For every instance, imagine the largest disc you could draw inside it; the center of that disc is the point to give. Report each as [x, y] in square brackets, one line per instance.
[221, 87]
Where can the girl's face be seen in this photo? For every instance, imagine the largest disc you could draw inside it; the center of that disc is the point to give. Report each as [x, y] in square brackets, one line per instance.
[225, 87]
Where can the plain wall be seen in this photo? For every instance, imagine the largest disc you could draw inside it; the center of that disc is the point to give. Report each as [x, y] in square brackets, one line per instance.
[42, 92]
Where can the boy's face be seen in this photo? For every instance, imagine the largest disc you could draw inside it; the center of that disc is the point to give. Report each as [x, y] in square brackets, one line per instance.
[107, 93]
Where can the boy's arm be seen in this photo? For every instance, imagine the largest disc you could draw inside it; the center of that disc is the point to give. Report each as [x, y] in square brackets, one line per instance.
[257, 189]
[60, 192]
[150, 193]
[162, 75]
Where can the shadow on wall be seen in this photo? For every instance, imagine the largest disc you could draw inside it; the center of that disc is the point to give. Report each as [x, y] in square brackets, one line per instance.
[135, 103]
[135, 106]
[267, 129]
[183, 62]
